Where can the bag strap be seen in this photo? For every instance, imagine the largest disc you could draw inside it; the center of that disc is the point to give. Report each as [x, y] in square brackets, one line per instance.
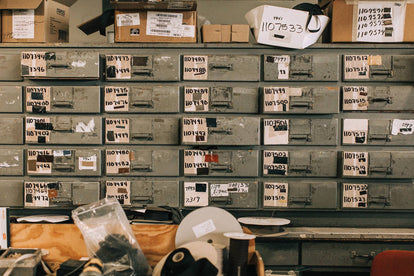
[312, 9]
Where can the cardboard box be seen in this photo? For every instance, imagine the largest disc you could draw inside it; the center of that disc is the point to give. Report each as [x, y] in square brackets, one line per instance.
[155, 26]
[35, 20]
[348, 22]
[225, 33]
[285, 27]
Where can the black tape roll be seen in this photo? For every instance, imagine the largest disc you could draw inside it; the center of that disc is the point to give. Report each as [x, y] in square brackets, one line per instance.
[238, 255]
[177, 262]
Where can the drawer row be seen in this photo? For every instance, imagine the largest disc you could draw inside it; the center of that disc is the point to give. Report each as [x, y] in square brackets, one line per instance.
[200, 163]
[232, 131]
[272, 194]
[204, 99]
[174, 67]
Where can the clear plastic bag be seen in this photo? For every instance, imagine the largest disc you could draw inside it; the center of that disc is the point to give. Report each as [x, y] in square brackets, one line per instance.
[109, 237]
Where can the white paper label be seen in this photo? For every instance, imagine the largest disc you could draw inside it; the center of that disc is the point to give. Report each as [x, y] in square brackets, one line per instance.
[116, 99]
[3, 228]
[39, 161]
[355, 98]
[36, 194]
[276, 131]
[119, 66]
[282, 66]
[165, 24]
[355, 164]
[275, 162]
[33, 64]
[195, 162]
[37, 129]
[195, 68]
[195, 194]
[127, 19]
[355, 131]
[87, 163]
[118, 161]
[238, 187]
[85, 127]
[121, 190]
[356, 67]
[379, 21]
[37, 99]
[188, 30]
[402, 127]
[194, 130]
[196, 99]
[23, 24]
[117, 130]
[355, 195]
[275, 195]
[276, 99]
[217, 190]
[204, 228]
[62, 153]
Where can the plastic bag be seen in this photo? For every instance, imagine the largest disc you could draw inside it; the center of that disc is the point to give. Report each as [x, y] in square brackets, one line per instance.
[109, 237]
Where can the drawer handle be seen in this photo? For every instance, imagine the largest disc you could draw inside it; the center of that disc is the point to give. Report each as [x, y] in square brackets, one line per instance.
[142, 136]
[381, 100]
[300, 168]
[369, 256]
[385, 137]
[221, 167]
[299, 73]
[385, 170]
[141, 168]
[62, 104]
[306, 137]
[59, 66]
[143, 104]
[144, 72]
[61, 200]
[301, 104]
[222, 200]
[380, 199]
[143, 199]
[228, 67]
[222, 104]
[62, 129]
[378, 72]
[223, 131]
[301, 199]
[64, 167]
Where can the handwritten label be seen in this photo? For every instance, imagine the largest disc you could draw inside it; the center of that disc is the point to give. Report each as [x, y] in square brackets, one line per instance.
[276, 131]
[195, 162]
[38, 99]
[404, 127]
[127, 19]
[196, 99]
[356, 67]
[195, 68]
[117, 130]
[195, 194]
[118, 66]
[275, 163]
[33, 64]
[194, 130]
[23, 23]
[204, 228]
[276, 99]
[355, 131]
[355, 195]
[355, 163]
[121, 190]
[39, 161]
[217, 190]
[238, 187]
[275, 195]
[118, 161]
[36, 194]
[38, 129]
[87, 163]
[116, 99]
[355, 98]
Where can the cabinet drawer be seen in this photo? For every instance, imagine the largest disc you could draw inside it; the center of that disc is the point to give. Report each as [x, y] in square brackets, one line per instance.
[11, 161]
[11, 131]
[279, 253]
[11, 98]
[11, 193]
[10, 67]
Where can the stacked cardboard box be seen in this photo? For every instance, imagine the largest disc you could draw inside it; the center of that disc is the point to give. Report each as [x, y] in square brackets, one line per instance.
[225, 33]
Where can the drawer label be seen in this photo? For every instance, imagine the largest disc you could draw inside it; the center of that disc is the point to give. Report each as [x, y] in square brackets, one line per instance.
[195, 162]
[275, 162]
[36, 194]
[275, 194]
[39, 161]
[355, 195]
[121, 190]
[283, 63]
[194, 130]
[38, 129]
[195, 68]
[402, 127]
[276, 131]
[118, 161]
[196, 99]
[87, 163]
[117, 130]
[355, 131]
[118, 66]
[38, 99]
[116, 99]
[356, 67]
[195, 194]
[355, 163]
[355, 98]
[33, 64]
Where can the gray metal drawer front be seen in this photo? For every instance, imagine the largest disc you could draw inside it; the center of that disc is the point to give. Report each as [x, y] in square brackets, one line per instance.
[300, 131]
[378, 98]
[11, 131]
[301, 68]
[378, 196]
[64, 162]
[300, 163]
[154, 193]
[10, 67]
[131, 162]
[64, 130]
[162, 67]
[279, 253]
[60, 65]
[11, 98]
[142, 99]
[141, 130]
[222, 68]
[59, 193]
[220, 162]
[11, 193]
[62, 99]
[220, 131]
[238, 195]
[300, 194]
[300, 100]
[378, 164]
[378, 132]
[11, 161]
[356, 254]
[221, 99]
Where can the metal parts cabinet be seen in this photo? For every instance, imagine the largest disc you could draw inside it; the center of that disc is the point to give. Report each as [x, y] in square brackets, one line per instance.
[257, 130]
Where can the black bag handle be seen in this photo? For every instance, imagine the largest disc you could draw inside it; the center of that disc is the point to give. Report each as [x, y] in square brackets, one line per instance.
[313, 9]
